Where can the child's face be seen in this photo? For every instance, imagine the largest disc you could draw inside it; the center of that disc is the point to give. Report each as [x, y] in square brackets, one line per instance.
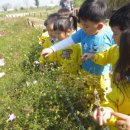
[116, 34]
[62, 35]
[50, 30]
[91, 28]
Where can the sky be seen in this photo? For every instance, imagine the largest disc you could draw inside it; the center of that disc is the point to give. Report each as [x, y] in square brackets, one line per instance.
[23, 3]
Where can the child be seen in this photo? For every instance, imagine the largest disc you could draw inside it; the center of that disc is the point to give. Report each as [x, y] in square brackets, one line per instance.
[94, 37]
[67, 4]
[119, 21]
[48, 38]
[70, 58]
[64, 12]
[118, 99]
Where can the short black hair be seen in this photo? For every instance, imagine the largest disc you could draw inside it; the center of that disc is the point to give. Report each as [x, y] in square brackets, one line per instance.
[94, 10]
[122, 65]
[51, 18]
[65, 23]
[121, 18]
[64, 12]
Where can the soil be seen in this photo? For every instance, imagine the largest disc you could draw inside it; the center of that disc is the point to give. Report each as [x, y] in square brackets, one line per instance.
[2, 33]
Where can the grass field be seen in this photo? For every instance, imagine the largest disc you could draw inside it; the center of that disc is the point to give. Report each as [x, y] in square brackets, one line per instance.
[42, 9]
[41, 13]
[37, 98]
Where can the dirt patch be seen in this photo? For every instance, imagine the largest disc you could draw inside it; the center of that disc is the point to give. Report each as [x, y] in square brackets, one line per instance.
[2, 33]
[1, 56]
[35, 22]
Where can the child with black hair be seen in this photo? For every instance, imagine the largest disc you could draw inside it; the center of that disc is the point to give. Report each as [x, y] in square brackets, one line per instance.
[48, 38]
[119, 56]
[94, 37]
[64, 12]
[48, 23]
[62, 27]
[118, 99]
[67, 4]
[69, 58]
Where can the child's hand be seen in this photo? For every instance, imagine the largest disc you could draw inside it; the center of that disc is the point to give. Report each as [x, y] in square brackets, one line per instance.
[88, 56]
[123, 122]
[102, 114]
[46, 52]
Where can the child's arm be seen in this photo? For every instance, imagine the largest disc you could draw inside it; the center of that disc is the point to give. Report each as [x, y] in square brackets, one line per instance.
[88, 56]
[99, 58]
[75, 38]
[59, 46]
[102, 58]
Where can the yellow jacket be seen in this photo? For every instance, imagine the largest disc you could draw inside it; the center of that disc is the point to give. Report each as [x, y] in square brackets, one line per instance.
[107, 57]
[45, 41]
[68, 59]
[118, 99]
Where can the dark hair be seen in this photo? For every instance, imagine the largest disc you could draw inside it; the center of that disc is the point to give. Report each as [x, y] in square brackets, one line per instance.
[64, 12]
[65, 23]
[121, 18]
[123, 63]
[51, 18]
[94, 10]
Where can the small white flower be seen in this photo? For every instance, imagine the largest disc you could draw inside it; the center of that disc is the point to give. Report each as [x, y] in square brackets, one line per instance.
[11, 117]
[35, 81]
[36, 62]
[2, 74]
[27, 83]
[40, 43]
[2, 62]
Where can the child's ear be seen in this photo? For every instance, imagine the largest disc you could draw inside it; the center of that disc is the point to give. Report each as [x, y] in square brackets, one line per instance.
[100, 26]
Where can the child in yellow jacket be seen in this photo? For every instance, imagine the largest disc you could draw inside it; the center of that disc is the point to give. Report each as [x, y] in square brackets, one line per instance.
[118, 99]
[94, 37]
[107, 57]
[69, 58]
[48, 38]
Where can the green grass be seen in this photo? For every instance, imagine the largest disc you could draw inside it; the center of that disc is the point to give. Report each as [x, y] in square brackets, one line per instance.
[14, 47]
[40, 99]
[30, 10]
[40, 13]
